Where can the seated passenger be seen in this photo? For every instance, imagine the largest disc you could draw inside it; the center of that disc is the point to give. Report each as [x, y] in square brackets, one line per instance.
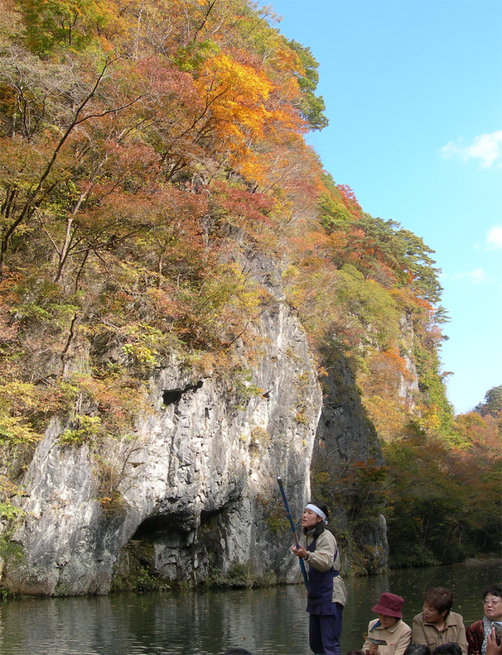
[479, 632]
[388, 635]
[437, 625]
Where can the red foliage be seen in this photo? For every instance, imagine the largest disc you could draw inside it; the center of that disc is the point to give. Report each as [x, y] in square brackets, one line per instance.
[238, 205]
[349, 199]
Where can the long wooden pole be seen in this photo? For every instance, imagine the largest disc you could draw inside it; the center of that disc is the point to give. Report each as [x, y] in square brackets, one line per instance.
[291, 522]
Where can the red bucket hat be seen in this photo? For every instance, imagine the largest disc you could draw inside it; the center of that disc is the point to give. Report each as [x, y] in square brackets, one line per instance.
[389, 605]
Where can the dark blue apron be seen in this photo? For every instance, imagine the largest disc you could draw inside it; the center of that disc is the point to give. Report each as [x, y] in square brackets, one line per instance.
[320, 593]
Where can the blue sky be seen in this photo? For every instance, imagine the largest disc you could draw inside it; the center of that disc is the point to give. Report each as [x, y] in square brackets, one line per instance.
[413, 93]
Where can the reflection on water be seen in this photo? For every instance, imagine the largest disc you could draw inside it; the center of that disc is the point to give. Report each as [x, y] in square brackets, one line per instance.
[267, 621]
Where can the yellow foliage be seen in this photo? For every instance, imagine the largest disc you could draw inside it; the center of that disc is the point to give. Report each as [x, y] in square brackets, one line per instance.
[16, 430]
[430, 420]
[18, 401]
[234, 95]
[387, 415]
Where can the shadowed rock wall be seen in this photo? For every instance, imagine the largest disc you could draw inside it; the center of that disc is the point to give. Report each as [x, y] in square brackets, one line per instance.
[345, 438]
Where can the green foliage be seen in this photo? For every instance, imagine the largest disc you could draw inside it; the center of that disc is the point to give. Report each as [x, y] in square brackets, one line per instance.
[356, 493]
[309, 104]
[72, 23]
[144, 345]
[10, 512]
[335, 212]
[375, 311]
[273, 513]
[136, 570]
[243, 386]
[191, 56]
[393, 255]
[492, 403]
[10, 551]
[360, 487]
[438, 416]
[88, 429]
[442, 498]
[415, 261]
[240, 575]
[21, 407]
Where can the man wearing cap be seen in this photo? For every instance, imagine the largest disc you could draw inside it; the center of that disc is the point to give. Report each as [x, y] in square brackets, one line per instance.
[388, 635]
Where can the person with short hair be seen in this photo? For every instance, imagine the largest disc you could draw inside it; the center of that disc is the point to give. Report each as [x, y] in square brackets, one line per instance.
[481, 634]
[450, 648]
[388, 635]
[326, 590]
[417, 649]
[437, 624]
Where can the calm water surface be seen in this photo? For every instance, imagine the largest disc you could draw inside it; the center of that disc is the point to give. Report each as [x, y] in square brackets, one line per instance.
[267, 621]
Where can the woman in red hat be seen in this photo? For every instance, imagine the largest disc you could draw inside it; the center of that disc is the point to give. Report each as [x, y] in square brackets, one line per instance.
[388, 635]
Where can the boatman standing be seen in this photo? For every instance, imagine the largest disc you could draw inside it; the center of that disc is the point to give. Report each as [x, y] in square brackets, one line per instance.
[326, 590]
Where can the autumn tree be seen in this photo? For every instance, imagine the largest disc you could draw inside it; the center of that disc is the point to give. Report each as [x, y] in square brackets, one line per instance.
[137, 138]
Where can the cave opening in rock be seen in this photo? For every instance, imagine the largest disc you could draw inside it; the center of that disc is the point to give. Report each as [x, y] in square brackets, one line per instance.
[137, 569]
[172, 396]
[156, 527]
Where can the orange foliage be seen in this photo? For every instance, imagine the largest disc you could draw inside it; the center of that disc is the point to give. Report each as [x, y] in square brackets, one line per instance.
[349, 199]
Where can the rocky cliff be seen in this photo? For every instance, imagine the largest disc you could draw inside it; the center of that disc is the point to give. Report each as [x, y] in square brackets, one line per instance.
[192, 496]
[193, 493]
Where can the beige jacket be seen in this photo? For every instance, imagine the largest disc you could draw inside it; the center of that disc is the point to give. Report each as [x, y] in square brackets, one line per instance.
[397, 637]
[322, 560]
[428, 634]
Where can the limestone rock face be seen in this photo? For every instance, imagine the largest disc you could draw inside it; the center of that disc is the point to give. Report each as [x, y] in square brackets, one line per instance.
[194, 491]
[408, 387]
[192, 495]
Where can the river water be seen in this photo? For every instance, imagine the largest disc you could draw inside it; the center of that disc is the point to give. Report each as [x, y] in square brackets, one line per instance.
[269, 621]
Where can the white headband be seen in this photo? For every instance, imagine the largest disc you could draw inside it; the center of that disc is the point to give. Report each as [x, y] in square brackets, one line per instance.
[318, 511]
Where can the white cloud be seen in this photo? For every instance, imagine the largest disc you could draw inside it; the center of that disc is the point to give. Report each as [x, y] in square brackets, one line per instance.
[486, 147]
[494, 237]
[476, 275]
